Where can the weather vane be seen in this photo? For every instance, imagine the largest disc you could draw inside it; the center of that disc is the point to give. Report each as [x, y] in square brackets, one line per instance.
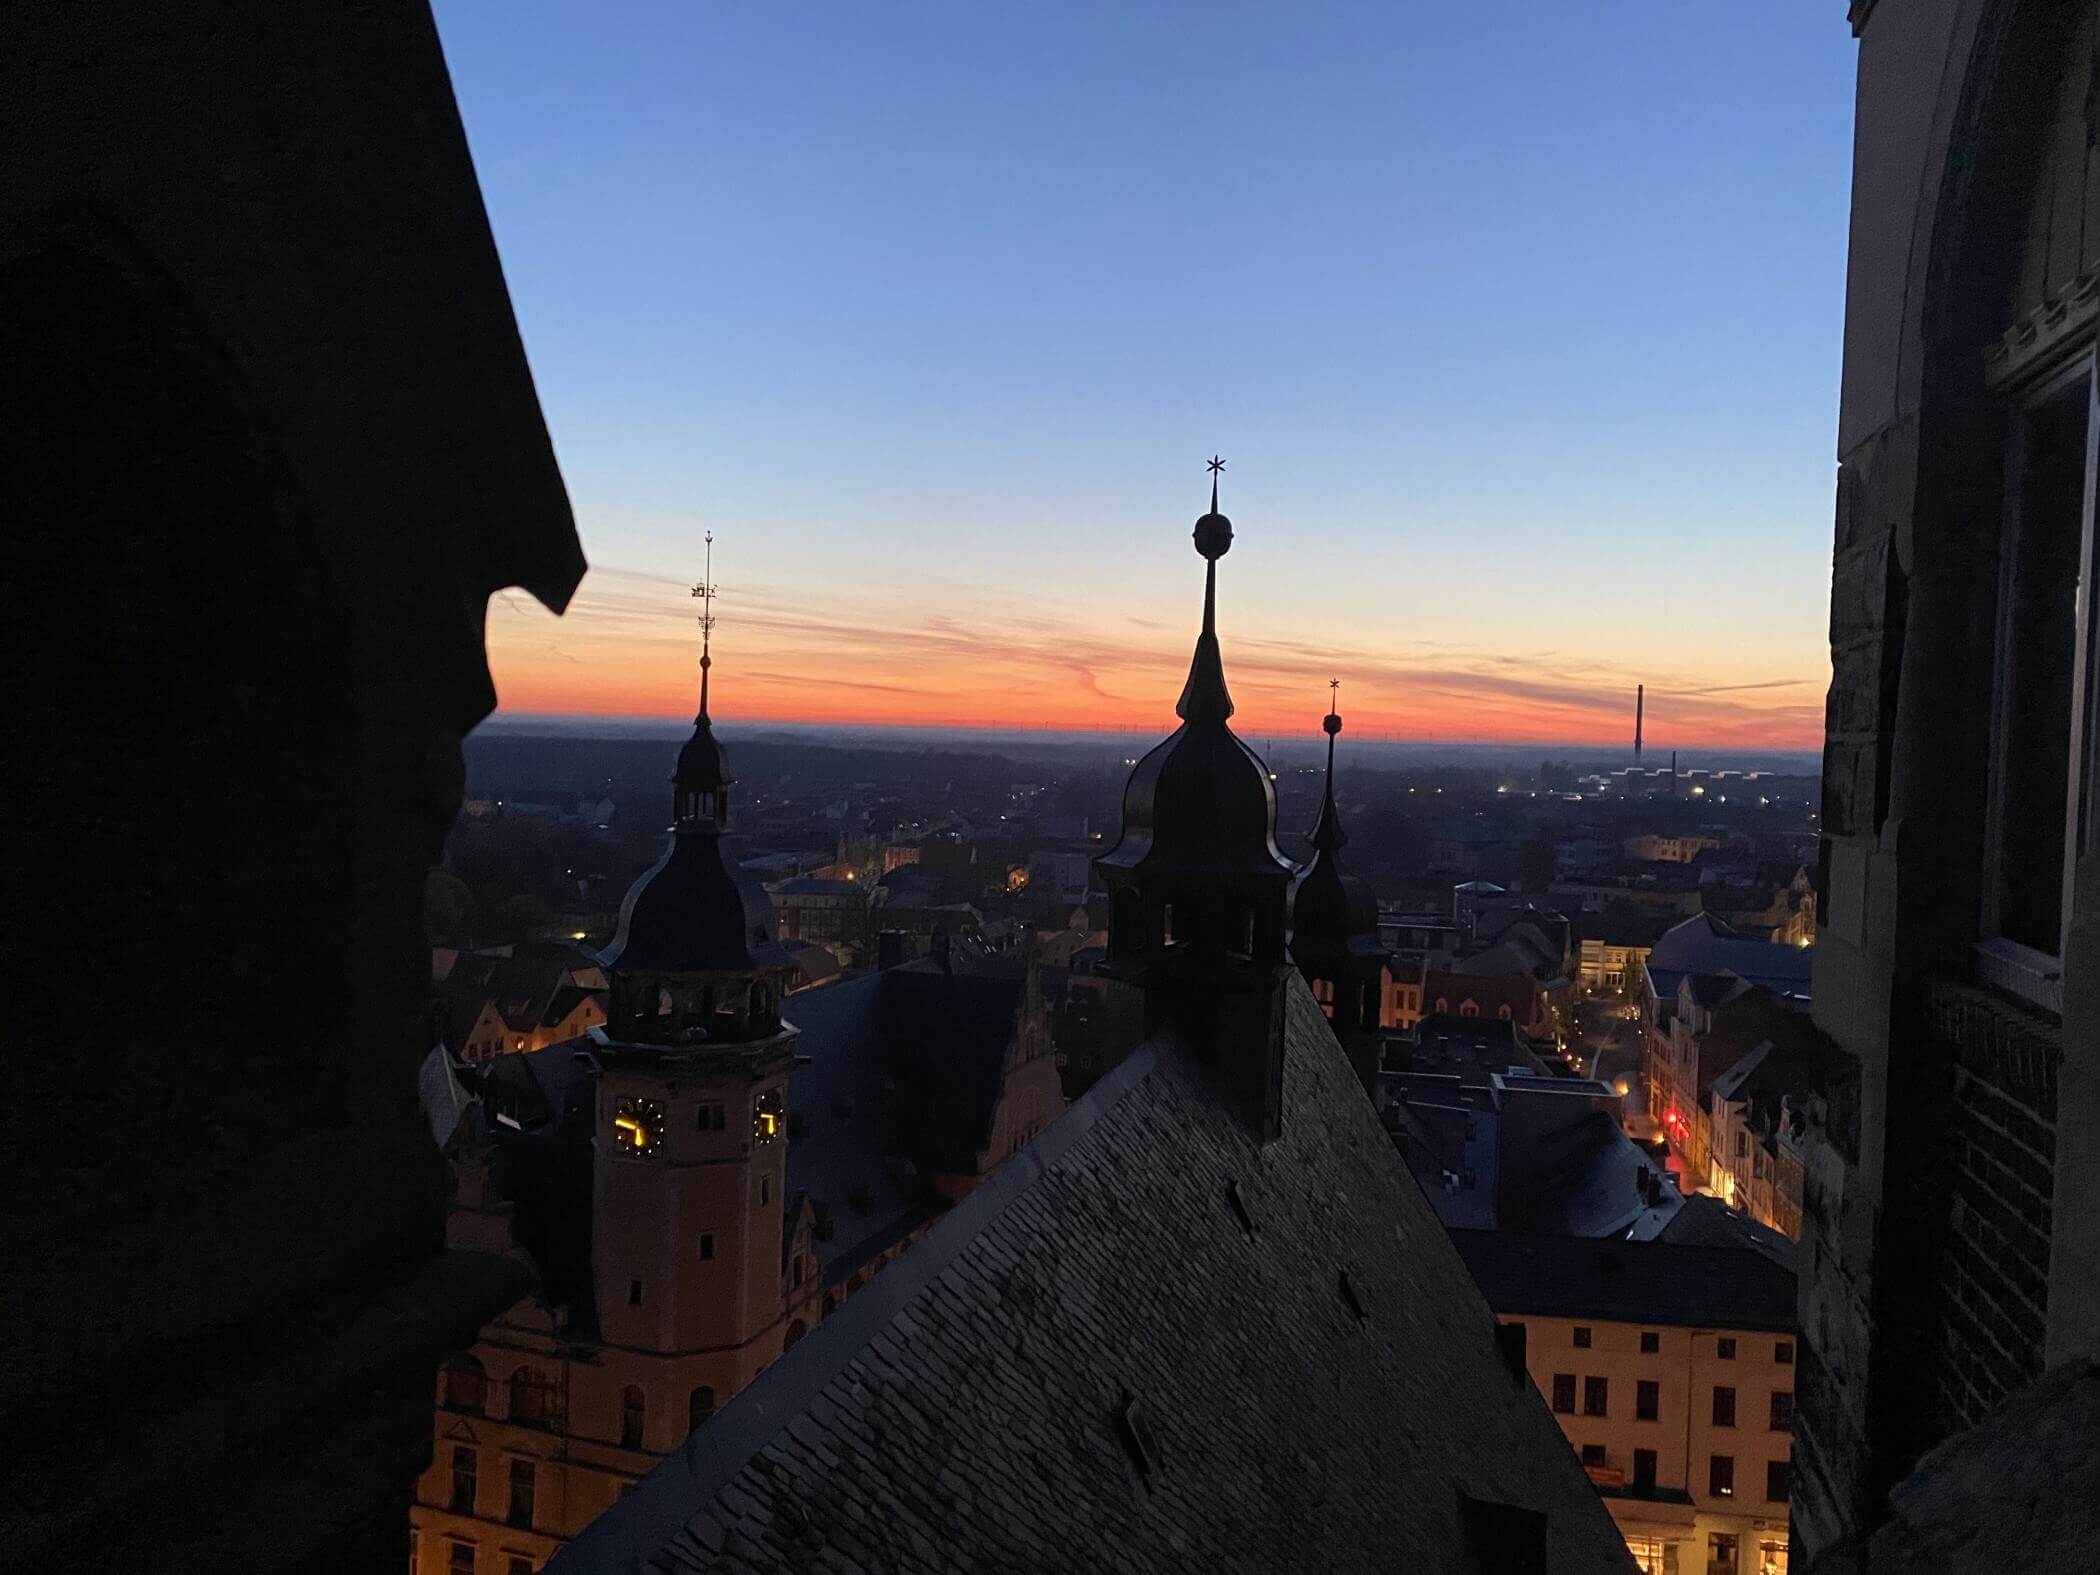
[706, 590]
[1216, 464]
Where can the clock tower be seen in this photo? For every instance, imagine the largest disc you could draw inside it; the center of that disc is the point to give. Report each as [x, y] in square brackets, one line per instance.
[690, 1163]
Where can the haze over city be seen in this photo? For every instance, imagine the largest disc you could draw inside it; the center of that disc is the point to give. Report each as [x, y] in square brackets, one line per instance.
[1517, 327]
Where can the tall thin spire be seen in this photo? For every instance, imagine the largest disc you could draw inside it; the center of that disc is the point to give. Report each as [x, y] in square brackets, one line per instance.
[1204, 698]
[705, 590]
[1327, 832]
[1640, 707]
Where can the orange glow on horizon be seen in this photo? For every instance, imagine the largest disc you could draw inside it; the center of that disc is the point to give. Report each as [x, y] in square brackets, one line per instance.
[627, 649]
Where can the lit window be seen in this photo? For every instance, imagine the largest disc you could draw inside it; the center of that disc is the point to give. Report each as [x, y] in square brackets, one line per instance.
[1720, 1476]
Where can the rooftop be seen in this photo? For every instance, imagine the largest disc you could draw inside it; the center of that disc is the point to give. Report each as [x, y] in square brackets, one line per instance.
[1640, 1282]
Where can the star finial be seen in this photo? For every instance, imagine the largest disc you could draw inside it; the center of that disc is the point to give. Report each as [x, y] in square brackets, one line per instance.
[1216, 464]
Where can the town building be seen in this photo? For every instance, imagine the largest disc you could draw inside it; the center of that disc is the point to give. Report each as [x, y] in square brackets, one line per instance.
[697, 1183]
[1157, 1340]
[505, 1000]
[1497, 1141]
[1951, 1237]
[1612, 950]
[829, 910]
[1669, 847]
[1670, 1368]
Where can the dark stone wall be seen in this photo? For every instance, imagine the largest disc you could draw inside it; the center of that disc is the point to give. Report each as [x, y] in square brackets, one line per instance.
[267, 443]
[1937, 1265]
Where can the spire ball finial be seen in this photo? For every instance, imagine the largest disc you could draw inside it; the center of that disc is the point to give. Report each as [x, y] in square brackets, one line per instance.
[1331, 723]
[1213, 533]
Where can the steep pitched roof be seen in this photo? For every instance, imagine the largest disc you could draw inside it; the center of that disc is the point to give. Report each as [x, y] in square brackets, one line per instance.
[1093, 1363]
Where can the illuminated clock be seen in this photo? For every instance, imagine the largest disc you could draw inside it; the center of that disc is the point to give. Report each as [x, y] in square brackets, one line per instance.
[768, 1117]
[638, 1125]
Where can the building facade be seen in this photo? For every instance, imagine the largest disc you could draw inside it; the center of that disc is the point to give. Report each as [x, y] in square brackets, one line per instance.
[1671, 1371]
[1951, 1223]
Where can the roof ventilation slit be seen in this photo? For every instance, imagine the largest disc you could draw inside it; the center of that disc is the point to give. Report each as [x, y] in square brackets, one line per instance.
[1352, 1298]
[1238, 1200]
[1134, 1428]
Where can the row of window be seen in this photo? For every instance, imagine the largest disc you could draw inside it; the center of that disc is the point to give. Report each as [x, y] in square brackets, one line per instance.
[532, 1403]
[1651, 1339]
[1720, 1473]
[466, 1485]
[1647, 1401]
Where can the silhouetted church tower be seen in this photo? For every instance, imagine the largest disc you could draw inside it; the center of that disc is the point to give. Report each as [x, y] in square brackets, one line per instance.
[1198, 892]
[1334, 933]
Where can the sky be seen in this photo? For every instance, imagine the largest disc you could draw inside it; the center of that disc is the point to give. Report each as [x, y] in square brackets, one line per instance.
[1517, 325]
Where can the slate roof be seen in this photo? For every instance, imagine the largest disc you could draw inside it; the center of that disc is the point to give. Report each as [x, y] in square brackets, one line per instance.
[1646, 1282]
[972, 1409]
[898, 1077]
[1703, 944]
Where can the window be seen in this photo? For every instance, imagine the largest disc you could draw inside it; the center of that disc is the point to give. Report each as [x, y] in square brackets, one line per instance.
[1778, 1481]
[1724, 1406]
[700, 1406]
[707, 1246]
[1720, 1476]
[1651, 1342]
[1647, 1400]
[765, 1190]
[634, 1293]
[524, 1484]
[531, 1397]
[1564, 1393]
[711, 1118]
[517, 1564]
[1783, 1353]
[459, 1558]
[1724, 1348]
[1593, 1454]
[1582, 1338]
[466, 1468]
[1644, 1471]
[1782, 1411]
[2036, 771]
[1724, 1551]
[796, 1268]
[466, 1384]
[632, 1407]
[1596, 1392]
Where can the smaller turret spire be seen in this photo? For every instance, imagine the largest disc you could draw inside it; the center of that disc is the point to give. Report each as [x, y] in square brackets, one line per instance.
[1327, 834]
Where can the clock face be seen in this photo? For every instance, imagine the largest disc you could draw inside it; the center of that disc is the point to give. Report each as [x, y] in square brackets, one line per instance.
[768, 1117]
[638, 1125]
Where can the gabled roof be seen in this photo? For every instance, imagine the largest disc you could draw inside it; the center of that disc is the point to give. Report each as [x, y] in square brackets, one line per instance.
[1093, 1363]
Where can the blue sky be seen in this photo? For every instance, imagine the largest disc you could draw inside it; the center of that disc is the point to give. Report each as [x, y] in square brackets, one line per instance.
[1518, 325]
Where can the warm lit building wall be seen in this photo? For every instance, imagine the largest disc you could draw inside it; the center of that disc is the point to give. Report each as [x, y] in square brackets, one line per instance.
[1685, 1431]
[1400, 1004]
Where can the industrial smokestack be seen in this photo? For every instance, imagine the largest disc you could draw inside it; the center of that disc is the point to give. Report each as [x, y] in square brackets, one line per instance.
[1640, 705]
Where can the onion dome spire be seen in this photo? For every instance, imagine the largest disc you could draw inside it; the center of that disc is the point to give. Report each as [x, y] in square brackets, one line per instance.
[1327, 833]
[1204, 697]
[701, 781]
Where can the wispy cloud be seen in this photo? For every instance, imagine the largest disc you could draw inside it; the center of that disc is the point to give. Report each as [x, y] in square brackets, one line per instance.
[804, 652]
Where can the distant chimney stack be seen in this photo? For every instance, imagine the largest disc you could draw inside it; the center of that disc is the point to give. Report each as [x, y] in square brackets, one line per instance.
[1640, 706]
